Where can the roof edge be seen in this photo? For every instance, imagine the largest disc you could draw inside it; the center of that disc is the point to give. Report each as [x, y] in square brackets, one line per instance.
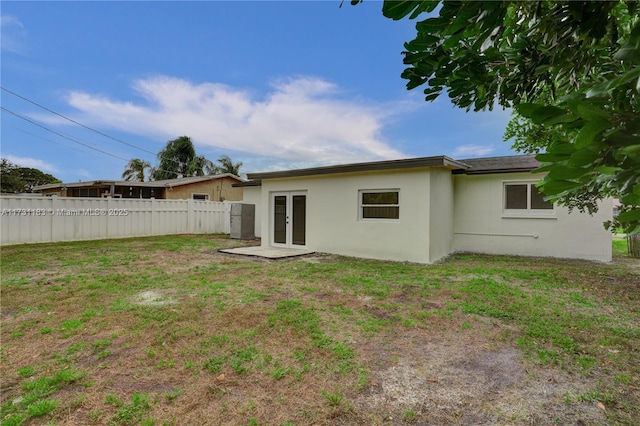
[167, 183]
[438, 161]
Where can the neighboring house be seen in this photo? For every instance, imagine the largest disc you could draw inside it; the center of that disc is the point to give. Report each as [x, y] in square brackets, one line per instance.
[213, 188]
[421, 210]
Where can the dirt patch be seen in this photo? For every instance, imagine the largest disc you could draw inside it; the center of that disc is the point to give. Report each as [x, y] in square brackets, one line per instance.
[152, 298]
[464, 379]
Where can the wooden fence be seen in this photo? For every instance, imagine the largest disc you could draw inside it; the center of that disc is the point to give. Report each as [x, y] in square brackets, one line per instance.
[52, 219]
[633, 245]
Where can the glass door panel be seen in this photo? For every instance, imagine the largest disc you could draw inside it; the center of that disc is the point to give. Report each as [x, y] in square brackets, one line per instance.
[280, 219]
[299, 227]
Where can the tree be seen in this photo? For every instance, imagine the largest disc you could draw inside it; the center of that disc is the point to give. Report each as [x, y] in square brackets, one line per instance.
[16, 179]
[176, 160]
[135, 170]
[228, 166]
[200, 166]
[571, 71]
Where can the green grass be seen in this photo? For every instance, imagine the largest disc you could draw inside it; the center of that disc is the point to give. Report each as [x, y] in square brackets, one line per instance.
[287, 335]
[620, 247]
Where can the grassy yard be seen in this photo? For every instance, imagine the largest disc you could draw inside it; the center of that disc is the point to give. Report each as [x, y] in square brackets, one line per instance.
[167, 331]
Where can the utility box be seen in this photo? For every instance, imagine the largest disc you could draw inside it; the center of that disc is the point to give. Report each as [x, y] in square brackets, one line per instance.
[243, 220]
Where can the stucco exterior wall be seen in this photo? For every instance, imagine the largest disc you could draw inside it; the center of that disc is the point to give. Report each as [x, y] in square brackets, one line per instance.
[441, 217]
[214, 188]
[481, 226]
[253, 195]
[333, 223]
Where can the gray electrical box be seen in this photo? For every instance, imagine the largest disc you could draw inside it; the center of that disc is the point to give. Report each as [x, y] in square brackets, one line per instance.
[243, 220]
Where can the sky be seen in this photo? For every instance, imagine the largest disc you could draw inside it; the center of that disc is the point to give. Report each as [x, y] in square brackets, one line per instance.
[277, 85]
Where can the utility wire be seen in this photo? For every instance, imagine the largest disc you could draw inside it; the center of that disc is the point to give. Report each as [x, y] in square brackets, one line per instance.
[82, 125]
[75, 122]
[62, 135]
[73, 140]
[47, 139]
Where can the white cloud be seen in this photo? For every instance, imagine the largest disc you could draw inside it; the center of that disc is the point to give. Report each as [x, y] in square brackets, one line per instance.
[33, 163]
[469, 151]
[12, 33]
[301, 119]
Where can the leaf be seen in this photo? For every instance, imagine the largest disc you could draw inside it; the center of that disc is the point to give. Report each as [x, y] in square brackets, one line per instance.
[431, 97]
[544, 114]
[607, 170]
[422, 42]
[629, 216]
[590, 112]
[631, 199]
[552, 157]
[624, 78]
[431, 25]
[590, 132]
[628, 52]
[555, 187]
[567, 173]
[399, 9]
[583, 157]
[632, 151]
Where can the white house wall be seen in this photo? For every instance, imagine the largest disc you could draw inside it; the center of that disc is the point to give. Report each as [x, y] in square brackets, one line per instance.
[480, 226]
[333, 223]
[441, 214]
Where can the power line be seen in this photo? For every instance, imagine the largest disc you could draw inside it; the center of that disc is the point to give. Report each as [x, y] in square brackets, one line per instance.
[82, 125]
[46, 139]
[61, 135]
[73, 140]
[76, 122]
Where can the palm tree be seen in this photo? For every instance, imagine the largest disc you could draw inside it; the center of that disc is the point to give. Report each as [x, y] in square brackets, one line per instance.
[228, 166]
[200, 166]
[135, 170]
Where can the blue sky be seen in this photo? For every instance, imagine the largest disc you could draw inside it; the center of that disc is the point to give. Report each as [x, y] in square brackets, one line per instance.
[276, 85]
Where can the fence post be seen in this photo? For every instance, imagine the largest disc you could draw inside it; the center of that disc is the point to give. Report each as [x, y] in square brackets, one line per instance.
[633, 245]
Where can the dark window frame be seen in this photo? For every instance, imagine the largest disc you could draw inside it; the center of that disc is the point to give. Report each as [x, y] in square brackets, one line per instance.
[370, 209]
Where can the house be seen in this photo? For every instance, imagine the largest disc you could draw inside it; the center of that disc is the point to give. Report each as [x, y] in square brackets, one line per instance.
[421, 210]
[213, 188]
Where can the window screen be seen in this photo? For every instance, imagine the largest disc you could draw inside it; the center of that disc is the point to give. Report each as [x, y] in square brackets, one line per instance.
[379, 205]
[515, 197]
[524, 196]
[537, 200]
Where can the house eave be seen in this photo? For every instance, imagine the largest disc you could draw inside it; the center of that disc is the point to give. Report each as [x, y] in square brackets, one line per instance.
[439, 161]
[169, 183]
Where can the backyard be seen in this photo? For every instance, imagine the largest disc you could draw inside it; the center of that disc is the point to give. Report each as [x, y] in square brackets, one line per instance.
[168, 331]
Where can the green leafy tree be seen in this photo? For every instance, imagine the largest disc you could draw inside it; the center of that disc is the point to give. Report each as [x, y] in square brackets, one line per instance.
[16, 179]
[176, 160]
[569, 68]
[136, 170]
[226, 165]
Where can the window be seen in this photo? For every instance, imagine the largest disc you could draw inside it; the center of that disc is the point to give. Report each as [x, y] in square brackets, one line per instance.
[380, 204]
[201, 197]
[523, 198]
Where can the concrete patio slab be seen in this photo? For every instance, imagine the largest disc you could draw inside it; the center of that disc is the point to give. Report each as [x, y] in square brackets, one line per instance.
[267, 252]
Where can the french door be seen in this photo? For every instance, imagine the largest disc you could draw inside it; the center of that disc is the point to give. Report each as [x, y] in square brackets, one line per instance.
[289, 219]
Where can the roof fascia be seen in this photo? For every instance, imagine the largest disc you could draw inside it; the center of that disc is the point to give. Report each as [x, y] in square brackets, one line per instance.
[440, 161]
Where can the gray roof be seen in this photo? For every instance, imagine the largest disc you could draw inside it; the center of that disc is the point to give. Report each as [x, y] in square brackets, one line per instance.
[247, 183]
[168, 183]
[508, 164]
[440, 161]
